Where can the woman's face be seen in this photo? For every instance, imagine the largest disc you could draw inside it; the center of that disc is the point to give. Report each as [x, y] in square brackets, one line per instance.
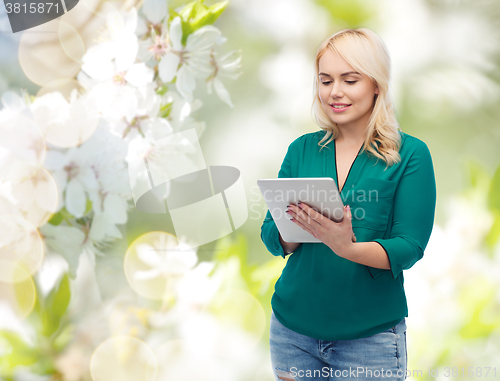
[339, 84]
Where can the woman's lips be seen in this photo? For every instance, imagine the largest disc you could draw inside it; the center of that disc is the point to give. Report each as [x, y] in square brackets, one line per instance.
[340, 109]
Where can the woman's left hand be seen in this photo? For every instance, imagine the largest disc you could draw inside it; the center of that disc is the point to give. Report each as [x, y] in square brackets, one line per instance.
[338, 236]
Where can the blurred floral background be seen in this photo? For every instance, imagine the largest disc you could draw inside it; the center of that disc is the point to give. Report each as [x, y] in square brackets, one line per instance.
[89, 286]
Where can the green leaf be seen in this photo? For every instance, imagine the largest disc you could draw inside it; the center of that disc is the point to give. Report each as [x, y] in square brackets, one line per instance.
[494, 234]
[208, 15]
[56, 219]
[15, 352]
[63, 214]
[187, 11]
[56, 305]
[351, 13]
[88, 206]
[494, 192]
[162, 90]
[185, 14]
[166, 109]
[35, 318]
[64, 337]
[196, 15]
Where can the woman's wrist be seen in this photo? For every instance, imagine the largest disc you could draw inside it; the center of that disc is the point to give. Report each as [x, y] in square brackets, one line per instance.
[288, 247]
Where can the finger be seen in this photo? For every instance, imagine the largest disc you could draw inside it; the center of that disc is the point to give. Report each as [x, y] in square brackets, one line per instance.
[347, 213]
[304, 220]
[317, 218]
[303, 217]
[300, 214]
[296, 214]
[305, 227]
[293, 211]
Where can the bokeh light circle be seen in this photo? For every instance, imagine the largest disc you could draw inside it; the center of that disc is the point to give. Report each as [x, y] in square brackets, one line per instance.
[17, 289]
[123, 358]
[23, 138]
[42, 55]
[20, 245]
[66, 123]
[71, 41]
[154, 262]
[33, 191]
[62, 85]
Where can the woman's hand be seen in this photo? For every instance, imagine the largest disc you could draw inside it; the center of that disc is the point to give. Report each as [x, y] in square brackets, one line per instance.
[338, 236]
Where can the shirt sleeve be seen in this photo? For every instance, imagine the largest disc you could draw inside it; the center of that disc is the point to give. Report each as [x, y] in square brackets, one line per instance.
[414, 208]
[269, 232]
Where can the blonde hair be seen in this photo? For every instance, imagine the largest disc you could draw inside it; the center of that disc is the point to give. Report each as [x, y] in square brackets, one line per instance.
[365, 52]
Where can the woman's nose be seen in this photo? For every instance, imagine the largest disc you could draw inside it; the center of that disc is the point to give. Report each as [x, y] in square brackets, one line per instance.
[336, 91]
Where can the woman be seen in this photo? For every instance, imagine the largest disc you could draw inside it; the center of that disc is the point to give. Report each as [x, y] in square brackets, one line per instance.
[339, 306]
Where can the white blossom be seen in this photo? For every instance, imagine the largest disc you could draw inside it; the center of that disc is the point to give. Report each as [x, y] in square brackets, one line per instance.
[195, 58]
[226, 66]
[65, 123]
[90, 171]
[155, 10]
[180, 116]
[113, 75]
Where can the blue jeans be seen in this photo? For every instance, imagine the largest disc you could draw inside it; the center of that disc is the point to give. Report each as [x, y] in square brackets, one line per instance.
[295, 357]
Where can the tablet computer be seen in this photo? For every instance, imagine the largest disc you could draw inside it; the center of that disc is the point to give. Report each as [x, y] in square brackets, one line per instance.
[321, 193]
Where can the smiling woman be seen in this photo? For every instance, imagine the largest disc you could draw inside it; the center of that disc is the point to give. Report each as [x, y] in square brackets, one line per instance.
[340, 304]
[350, 94]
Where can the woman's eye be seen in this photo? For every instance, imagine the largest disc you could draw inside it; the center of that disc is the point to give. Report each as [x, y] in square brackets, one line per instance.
[349, 82]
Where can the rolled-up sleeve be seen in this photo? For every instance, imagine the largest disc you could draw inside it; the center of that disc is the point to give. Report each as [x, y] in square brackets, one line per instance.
[414, 209]
[269, 231]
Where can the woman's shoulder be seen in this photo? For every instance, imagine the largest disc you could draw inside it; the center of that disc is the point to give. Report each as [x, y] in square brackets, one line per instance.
[307, 138]
[411, 144]
[312, 137]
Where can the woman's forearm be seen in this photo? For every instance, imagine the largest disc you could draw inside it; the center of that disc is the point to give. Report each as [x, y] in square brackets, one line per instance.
[367, 253]
[289, 247]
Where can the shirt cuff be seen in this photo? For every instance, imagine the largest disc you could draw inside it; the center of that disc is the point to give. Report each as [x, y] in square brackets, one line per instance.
[392, 248]
[276, 248]
[376, 272]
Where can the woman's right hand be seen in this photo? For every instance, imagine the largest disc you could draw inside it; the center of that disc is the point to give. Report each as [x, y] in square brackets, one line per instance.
[290, 247]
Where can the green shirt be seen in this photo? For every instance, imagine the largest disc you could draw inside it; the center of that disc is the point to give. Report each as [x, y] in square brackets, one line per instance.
[327, 297]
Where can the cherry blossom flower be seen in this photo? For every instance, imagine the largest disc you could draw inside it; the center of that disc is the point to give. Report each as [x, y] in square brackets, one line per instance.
[146, 122]
[155, 10]
[180, 116]
[65, 123]
[92, 170]
[225, 66]
[194, 58]
[110, 72]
